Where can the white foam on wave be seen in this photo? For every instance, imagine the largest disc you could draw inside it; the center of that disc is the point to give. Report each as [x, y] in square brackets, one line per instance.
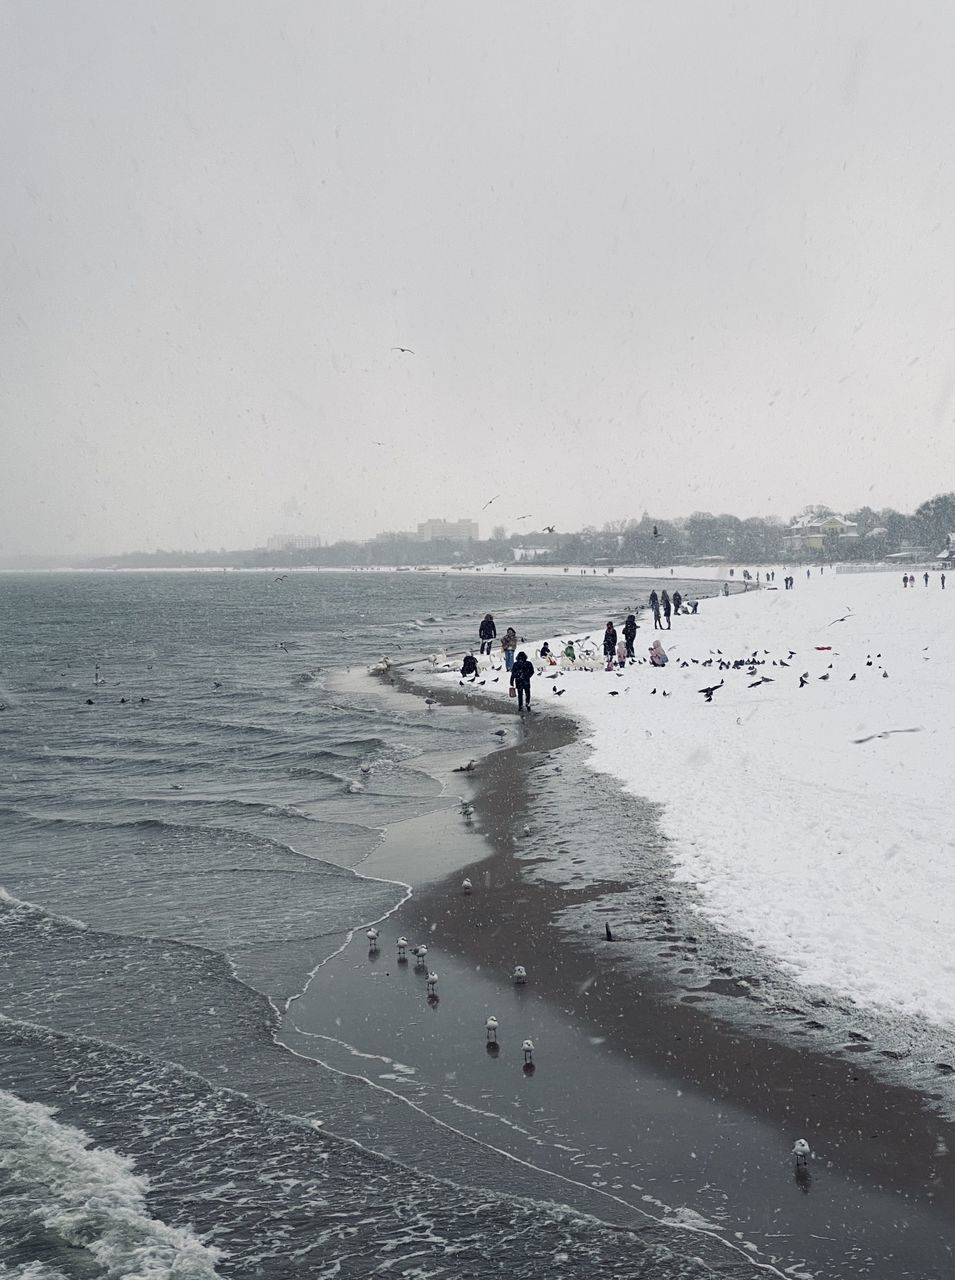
[38, 913]
[91, 1198]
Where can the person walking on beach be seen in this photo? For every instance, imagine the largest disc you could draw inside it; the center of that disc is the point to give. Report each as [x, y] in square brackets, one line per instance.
[658, 655]
[905, 579]
[521, 673]
[677, 602]
[630, 633]
[925, 578]
[943, 581]
[610, 644]
[508, 645]
[654, 603]
[486, 633]
[667, 607]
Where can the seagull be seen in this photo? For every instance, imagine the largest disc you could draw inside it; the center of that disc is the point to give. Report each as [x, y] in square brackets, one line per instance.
[402, 945]
[432, 983]
[757, 683]
[549, 528]
[372, 936]
[842, 619]
[804, 679]
[710, 690]
[489, 501]
[885, 734]
[615, 693]
[464, 768]
[404, 350]
[528, 1047]
[430, 702]
[466, 885]
[802, 1152]
[527, 517]
[519, 975]
[500, 733]
[491, 1027]
[282, 646]
[281, 577]
[419, 954]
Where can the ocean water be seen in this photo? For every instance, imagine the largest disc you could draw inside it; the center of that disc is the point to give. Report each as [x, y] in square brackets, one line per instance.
[187, 794]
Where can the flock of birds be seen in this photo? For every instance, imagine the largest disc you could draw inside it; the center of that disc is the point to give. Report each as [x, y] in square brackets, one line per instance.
[420, 954]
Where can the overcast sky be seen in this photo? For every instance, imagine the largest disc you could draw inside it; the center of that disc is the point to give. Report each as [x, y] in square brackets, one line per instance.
[665, 257]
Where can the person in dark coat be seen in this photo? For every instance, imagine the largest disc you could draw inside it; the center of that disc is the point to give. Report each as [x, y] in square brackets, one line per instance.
[666, 606]
[486, 633]
[469, 667]
[630, 633]
[677, 602]
[654, 603]
[610, 642]
[521, 673]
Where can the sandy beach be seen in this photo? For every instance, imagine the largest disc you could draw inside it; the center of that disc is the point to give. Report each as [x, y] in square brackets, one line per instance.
[644, 1108]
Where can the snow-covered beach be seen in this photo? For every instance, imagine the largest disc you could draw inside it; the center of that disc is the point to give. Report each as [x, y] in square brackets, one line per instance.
[810, 815]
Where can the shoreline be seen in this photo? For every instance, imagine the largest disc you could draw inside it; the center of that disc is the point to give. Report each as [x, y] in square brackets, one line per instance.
[891, 1140]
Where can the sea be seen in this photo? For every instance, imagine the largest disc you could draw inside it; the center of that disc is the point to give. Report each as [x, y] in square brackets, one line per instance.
[192, 778]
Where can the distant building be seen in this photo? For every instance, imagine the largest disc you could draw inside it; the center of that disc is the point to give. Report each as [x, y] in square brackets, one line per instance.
[293, 542]
[811, 533]
[448, 531]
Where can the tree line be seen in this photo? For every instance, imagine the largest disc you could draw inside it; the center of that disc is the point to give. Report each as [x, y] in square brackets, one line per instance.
[650, 539]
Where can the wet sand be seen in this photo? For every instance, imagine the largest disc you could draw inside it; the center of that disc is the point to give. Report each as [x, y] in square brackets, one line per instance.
[635, 1095]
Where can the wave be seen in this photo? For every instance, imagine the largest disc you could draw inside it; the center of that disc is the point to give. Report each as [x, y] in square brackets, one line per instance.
[88, 1198]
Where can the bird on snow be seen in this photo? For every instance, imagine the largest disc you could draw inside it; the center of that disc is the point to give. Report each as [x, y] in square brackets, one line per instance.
[519, 975]
[372, 936]
[710, 690]
[804, 679]
[491, 1025]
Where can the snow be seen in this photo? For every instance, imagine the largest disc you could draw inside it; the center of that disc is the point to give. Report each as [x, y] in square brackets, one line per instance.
[813, 821]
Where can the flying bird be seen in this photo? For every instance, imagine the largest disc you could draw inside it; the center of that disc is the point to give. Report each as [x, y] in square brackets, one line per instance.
[527, 517]
[281, 577]
[549, 528]
[885, 734]
[710, 690]
[405, 350]
[842, 619]
[489, 501]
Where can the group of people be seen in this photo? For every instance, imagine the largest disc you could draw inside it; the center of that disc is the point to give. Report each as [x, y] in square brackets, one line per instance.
[618, 650]
[908, 579]
[663, 605]
[520, 667]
